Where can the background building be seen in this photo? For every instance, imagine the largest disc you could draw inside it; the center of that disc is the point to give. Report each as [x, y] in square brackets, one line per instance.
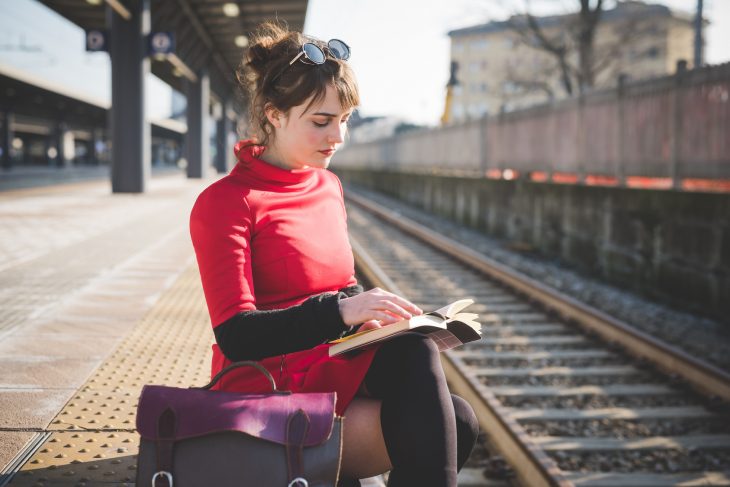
[503, 65]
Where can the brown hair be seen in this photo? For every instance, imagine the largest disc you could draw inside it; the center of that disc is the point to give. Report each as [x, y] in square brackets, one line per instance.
[268, 78]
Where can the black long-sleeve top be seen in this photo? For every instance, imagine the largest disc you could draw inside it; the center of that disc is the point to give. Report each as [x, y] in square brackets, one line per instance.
[257, 334]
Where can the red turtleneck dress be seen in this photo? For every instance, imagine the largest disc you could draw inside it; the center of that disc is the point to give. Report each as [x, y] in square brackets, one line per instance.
[267, 239]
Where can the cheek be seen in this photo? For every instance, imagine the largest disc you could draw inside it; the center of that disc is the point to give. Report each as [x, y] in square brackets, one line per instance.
[314, 137]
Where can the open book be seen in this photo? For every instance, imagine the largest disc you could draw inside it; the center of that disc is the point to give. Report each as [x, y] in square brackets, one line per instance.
[447, 326]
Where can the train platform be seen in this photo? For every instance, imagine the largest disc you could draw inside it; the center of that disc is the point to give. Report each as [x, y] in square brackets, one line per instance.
[86, 277]
[101, 295]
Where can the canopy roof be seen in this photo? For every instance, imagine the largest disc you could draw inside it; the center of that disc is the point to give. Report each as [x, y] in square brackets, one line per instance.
[204, 34]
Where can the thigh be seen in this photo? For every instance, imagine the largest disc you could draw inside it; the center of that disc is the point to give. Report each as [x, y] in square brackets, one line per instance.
[363, 448]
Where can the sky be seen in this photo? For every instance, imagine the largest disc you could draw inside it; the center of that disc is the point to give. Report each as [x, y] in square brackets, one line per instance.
[400, 48]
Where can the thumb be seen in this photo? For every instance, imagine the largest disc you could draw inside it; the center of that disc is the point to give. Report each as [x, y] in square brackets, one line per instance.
[368, 325]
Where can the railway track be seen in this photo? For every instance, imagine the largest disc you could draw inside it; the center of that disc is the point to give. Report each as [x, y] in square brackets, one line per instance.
[567, 395]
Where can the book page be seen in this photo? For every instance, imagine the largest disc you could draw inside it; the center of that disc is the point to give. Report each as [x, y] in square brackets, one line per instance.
[450, 310]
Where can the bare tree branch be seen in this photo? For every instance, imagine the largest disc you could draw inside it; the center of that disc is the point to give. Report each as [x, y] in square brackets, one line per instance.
[534, 37]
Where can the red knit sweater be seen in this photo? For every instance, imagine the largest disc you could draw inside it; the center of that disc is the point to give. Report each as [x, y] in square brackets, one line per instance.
[269, 238]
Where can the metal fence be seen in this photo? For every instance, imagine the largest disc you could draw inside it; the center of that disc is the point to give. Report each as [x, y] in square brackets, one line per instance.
[676, 127]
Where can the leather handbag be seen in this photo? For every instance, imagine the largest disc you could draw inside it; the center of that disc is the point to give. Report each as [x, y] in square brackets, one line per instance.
[197, 437]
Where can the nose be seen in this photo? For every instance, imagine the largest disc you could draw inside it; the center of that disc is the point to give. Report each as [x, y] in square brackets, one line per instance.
[337, 134]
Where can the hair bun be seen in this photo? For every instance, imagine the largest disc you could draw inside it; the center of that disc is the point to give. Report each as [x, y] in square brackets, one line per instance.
[265, 47]
[258, 56]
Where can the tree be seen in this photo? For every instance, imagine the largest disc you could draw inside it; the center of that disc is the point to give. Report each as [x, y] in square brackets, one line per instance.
[578, 61]
[576, 32]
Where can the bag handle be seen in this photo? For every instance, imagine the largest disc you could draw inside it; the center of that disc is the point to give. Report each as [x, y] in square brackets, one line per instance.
[236, 365]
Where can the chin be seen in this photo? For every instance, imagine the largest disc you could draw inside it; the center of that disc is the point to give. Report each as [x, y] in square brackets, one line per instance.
[320, 162]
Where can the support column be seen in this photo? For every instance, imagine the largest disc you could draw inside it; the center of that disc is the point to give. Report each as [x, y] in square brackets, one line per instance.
[197, 137]
[130, 130]
[222, 140]
[96, 138]
[64, 143]
[6, 139]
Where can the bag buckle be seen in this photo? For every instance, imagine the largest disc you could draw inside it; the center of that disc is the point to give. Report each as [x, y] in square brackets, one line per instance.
[166, 475]
[298, 482]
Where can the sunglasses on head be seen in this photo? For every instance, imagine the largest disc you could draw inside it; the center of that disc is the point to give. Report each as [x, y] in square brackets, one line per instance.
[311, 53]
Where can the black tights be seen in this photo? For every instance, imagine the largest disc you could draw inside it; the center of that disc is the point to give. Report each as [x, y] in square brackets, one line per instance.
[429, 433]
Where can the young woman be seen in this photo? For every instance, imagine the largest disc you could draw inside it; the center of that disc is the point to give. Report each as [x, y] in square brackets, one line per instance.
[278, 275]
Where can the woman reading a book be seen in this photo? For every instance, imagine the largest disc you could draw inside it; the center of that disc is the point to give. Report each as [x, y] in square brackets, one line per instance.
[278, 275]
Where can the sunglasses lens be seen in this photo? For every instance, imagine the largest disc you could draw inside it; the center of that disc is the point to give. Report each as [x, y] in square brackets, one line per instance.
[339, 49]
[313, 53]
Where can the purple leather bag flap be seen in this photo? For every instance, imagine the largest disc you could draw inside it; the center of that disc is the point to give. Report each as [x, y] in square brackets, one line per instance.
[201, 412]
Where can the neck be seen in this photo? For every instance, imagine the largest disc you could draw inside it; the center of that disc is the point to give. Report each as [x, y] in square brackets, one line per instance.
[273, 156]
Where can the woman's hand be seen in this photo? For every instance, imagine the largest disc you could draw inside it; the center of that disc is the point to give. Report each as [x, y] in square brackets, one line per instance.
[369, 325]
[376, 308]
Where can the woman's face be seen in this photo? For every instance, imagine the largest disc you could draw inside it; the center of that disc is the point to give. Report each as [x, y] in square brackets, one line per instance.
[308, 138]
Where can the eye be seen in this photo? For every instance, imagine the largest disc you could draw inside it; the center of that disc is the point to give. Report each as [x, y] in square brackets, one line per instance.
[321, 124]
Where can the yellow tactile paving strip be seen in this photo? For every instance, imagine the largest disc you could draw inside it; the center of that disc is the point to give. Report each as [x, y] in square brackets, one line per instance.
[93, 438]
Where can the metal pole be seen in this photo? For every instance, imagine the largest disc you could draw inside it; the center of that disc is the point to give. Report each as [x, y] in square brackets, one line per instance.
[698, 35]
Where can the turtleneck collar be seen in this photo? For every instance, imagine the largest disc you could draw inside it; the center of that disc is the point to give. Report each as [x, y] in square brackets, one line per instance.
[250, 164]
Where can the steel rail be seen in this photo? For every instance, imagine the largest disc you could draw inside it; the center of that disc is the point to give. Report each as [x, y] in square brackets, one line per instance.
[704, 377]
[536, 468]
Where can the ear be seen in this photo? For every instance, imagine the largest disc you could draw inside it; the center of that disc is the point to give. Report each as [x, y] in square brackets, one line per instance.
[273, 115]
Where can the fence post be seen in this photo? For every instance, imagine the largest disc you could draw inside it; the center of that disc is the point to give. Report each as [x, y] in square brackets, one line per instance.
[580, 139]
[483, 147]
[676, 124]
[620, 134]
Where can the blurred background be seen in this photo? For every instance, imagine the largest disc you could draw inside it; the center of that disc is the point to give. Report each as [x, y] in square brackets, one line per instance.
[404, 55]
[582, 143]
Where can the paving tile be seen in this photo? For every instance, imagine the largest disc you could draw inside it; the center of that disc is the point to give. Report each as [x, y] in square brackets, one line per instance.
[31, 408]
[93, 326]
[11, 442]
[46, 346]
[46, 371]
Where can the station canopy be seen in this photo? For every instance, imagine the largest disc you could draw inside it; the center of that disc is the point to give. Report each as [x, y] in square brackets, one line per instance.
[208, 33]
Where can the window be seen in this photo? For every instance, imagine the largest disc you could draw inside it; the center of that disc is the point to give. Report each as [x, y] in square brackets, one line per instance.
[479, 44]
[509, 87]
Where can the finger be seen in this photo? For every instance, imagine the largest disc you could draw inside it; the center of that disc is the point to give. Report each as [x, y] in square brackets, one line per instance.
[391, 319]
[385, 318]
[405, 304]
[370, 325]
[394, 308]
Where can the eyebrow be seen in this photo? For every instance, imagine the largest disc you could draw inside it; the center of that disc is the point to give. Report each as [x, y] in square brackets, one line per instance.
[325, 114]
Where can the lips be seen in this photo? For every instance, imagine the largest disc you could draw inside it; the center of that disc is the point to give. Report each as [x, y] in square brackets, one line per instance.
[327, 152]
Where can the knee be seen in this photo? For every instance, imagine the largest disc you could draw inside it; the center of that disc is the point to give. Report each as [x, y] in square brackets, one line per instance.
[405, 362]
[410, 346]
[467, 424]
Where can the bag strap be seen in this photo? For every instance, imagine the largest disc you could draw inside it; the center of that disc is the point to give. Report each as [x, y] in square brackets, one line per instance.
[296, 432]
[235, 365]
[165, 443]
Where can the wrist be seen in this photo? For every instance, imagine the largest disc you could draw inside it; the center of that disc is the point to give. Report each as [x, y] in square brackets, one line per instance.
[341, 308]
[332, 315]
